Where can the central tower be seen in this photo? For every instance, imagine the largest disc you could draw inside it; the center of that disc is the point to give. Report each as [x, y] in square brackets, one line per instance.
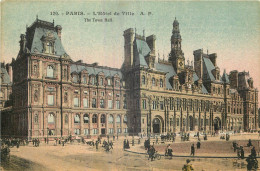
[176, 56]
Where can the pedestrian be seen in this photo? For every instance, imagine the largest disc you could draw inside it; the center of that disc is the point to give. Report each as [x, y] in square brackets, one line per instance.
[198, 145]
[192, 149]
[249, 143]
[188, 166]
[17, 146]
[253, 152]
[139, 141]
[96, 145]
[156, 140]
[242, 153]
[114, 138]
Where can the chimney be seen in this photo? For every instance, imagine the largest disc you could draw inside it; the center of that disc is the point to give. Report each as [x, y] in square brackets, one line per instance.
[9, 70]
[198, 62]
[22, 43]
[213, 58]
[129, 47]
[150, 40]
[58, 29]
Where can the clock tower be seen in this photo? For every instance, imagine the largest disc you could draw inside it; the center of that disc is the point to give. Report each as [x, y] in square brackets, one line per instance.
[176, 56]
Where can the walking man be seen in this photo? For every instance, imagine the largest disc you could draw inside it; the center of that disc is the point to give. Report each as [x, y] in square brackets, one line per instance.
[192, 150]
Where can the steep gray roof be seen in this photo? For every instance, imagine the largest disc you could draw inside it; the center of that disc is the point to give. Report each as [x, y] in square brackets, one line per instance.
[4, 74]
[108, 72]
[196, 78]
[169, 70]
[204, 90]
[208, 67]
[141, 50]
[37, 45]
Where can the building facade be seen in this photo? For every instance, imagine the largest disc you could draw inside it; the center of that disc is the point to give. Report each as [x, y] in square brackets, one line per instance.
[55, 96]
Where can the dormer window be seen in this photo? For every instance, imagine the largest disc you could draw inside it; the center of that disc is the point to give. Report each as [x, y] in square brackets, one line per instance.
[48, 47]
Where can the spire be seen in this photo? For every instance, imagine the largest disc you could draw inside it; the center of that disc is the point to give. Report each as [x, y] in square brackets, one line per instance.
[135, 32]
[53, 21]
[37, 17]
[144, 33]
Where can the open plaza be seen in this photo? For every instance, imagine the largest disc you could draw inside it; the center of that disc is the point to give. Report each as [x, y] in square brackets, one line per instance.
[214, 154]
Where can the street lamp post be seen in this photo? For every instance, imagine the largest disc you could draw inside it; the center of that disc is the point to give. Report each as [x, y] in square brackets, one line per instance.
[47, 135]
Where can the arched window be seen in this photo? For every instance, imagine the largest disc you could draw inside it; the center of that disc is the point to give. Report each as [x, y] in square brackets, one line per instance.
[36, 118]
[125, 119]
[161, 83]
[111, 119]
[50, 72]
[118, 119]
[143, 80]
[103, 118]
[50, 118]
[65, 73]
[86, 118]
[94, 118]
[153, 81]
[77, 119]
[93, 80]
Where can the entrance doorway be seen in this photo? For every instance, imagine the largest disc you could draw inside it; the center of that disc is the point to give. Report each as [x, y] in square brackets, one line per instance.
[191, 123]
[217, 124]
[103, 131]
[156, 126]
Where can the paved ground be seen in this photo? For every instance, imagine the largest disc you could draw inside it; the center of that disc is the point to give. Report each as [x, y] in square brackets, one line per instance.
[85, 157]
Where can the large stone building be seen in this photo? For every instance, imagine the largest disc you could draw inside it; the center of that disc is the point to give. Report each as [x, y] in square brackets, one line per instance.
[56, 96]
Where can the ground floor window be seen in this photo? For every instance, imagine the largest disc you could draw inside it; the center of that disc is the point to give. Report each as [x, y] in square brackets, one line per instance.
[111, 131]
[77, 131]
[178, 122]
[125, 130]
[95, 131]
[118, 130]
[86, 131]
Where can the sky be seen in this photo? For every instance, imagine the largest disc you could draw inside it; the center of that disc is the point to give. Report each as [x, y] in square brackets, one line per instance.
[230, 29]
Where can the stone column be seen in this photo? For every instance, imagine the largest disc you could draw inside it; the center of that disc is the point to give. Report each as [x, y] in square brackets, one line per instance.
[181, 122]
[107, 115]
[81, 124]
[114, 124]
[174, 120]
[205, 125]
[210, 120]
[187, 120]
[193, 120]
[90, 124]
[99, 123]
[199, 123]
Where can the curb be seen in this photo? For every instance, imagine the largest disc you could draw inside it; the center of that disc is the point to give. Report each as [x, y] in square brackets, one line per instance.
[214, 157]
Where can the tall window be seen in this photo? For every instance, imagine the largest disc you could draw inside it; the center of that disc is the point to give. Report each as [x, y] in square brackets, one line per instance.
[94, 103]
[161, 83]
[85, 80]
[103, 118]
[35, 68]
[77, 131]
[50, 100]
[101, 81]
[76, 102]
[154, 105]
[109, 81]
[118, 104]
[125, 119]
[95, 131]
[161, 105]
[110, 104]
[85, 103]
[75, 78]
[36, 118]
[125, 106]
[66, 119]
[102, 104]
[86, 118]
[111, 131]
[93, 80]
[77, 119]
[94, 118]
[143, 80]
[49, 47]
[111, 119]
[153, 81]
[118, 119]
[117, 83]
[50, 72]
[144, 103]
[86, 131]
[50, 118]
